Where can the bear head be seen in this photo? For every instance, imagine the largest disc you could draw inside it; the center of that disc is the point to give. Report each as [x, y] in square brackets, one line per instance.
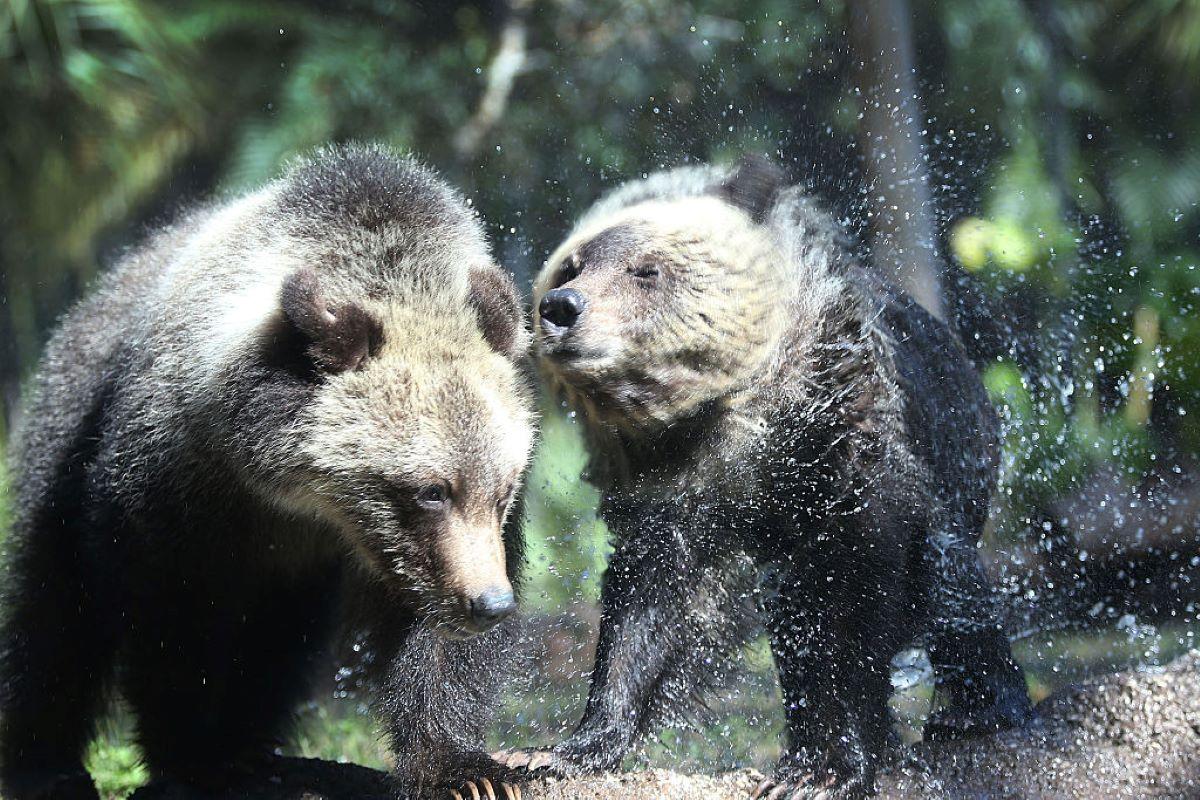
[652, 310]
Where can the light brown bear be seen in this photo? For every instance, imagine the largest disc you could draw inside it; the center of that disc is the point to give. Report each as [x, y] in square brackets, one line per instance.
[305, 396]
[776, 432]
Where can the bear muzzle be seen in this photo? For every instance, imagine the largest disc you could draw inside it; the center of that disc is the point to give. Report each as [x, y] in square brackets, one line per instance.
[490, 607]
[476, 584]
[560, 308]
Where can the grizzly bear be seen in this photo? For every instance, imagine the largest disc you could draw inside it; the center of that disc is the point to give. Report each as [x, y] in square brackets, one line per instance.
[775, 430]
[302, 401]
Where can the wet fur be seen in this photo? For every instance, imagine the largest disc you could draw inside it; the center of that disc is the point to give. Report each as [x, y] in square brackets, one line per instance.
[208, 468]
[789, 433]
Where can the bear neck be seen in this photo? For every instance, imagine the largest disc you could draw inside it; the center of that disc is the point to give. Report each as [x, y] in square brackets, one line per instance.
[663, 452]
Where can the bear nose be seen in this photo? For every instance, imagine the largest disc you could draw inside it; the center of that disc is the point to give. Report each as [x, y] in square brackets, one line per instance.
[492, 606]
[561, 307]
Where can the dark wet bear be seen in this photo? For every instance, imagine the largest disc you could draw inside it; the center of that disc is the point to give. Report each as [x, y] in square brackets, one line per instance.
[299, 401]
[775, 430]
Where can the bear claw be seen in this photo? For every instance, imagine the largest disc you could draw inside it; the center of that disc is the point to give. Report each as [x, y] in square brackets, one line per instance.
[511, 791]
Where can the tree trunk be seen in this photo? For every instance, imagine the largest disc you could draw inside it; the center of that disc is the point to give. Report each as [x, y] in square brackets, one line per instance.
[889, 135]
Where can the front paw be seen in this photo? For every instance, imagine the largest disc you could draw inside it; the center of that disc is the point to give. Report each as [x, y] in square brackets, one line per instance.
[956, 723]
[481, 788]
[536, 762]
[796, 779]
[483, 778]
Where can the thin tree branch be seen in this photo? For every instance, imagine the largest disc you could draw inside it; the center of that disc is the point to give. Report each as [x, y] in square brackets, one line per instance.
[501, 74]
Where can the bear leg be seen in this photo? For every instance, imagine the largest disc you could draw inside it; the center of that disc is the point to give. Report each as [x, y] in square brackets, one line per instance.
[214, 687]
[981, 686]
[832, 647]
[673, 609]
[56, 659]
[437, 698]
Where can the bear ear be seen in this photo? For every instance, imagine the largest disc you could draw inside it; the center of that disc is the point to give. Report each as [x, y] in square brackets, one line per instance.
[336, 339]
[753, 186]
[498, 306]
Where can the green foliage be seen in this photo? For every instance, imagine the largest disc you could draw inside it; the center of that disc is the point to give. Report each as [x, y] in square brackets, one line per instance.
[1090, 215]
[565, 538]
[107, 106]
[1080, 112]
[114, 762]
[339, 731]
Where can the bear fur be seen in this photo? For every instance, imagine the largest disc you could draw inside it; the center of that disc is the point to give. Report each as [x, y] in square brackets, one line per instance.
[779, 433]
[284, 408]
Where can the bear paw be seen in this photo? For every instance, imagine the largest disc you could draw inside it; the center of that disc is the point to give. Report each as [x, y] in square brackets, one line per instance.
[797, 784]
[471, 790]
[533, 760]
[951, 724]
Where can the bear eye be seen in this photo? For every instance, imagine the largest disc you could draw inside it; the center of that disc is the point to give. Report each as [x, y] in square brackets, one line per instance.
[571, 267]
[434, 496]
[645, 270]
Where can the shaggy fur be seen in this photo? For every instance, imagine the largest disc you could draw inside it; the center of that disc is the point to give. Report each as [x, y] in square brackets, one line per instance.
[233, 436]
[771, 426]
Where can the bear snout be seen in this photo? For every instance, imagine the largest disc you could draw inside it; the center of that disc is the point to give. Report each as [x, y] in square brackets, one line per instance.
[560, 308]
[490, 607]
